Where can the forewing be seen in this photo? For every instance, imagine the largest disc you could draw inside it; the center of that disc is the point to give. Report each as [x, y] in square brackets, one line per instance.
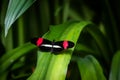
[43, 46]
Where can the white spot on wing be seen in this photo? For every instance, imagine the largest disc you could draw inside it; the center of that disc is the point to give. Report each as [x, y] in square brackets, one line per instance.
[51, 46]
[46, 45]
[56, 46]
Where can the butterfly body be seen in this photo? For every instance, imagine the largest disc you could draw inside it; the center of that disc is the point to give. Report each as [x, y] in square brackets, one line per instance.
[52, 46]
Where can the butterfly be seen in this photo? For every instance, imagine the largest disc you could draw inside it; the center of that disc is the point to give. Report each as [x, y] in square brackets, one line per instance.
[52, 46]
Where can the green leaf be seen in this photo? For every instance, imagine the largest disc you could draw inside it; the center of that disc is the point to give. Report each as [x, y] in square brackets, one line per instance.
[66, 10]
[115, 68]
[15, 9]
[85, 48]
[3, 76]
[11, 56]
[42, 66]
[101, 41]
[90, 69]
[54, 67]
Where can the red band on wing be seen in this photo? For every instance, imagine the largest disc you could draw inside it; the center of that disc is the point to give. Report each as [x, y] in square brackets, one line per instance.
[39, 41]
[65, 44]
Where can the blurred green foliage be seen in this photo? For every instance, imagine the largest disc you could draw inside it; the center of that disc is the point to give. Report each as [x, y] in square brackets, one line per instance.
[92, 25]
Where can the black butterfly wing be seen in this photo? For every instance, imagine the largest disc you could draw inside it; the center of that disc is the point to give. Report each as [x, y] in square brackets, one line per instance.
[34, 40]
[62, 45]
[45, 45]
[57, 47]
[48, 46]
[70, 44]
